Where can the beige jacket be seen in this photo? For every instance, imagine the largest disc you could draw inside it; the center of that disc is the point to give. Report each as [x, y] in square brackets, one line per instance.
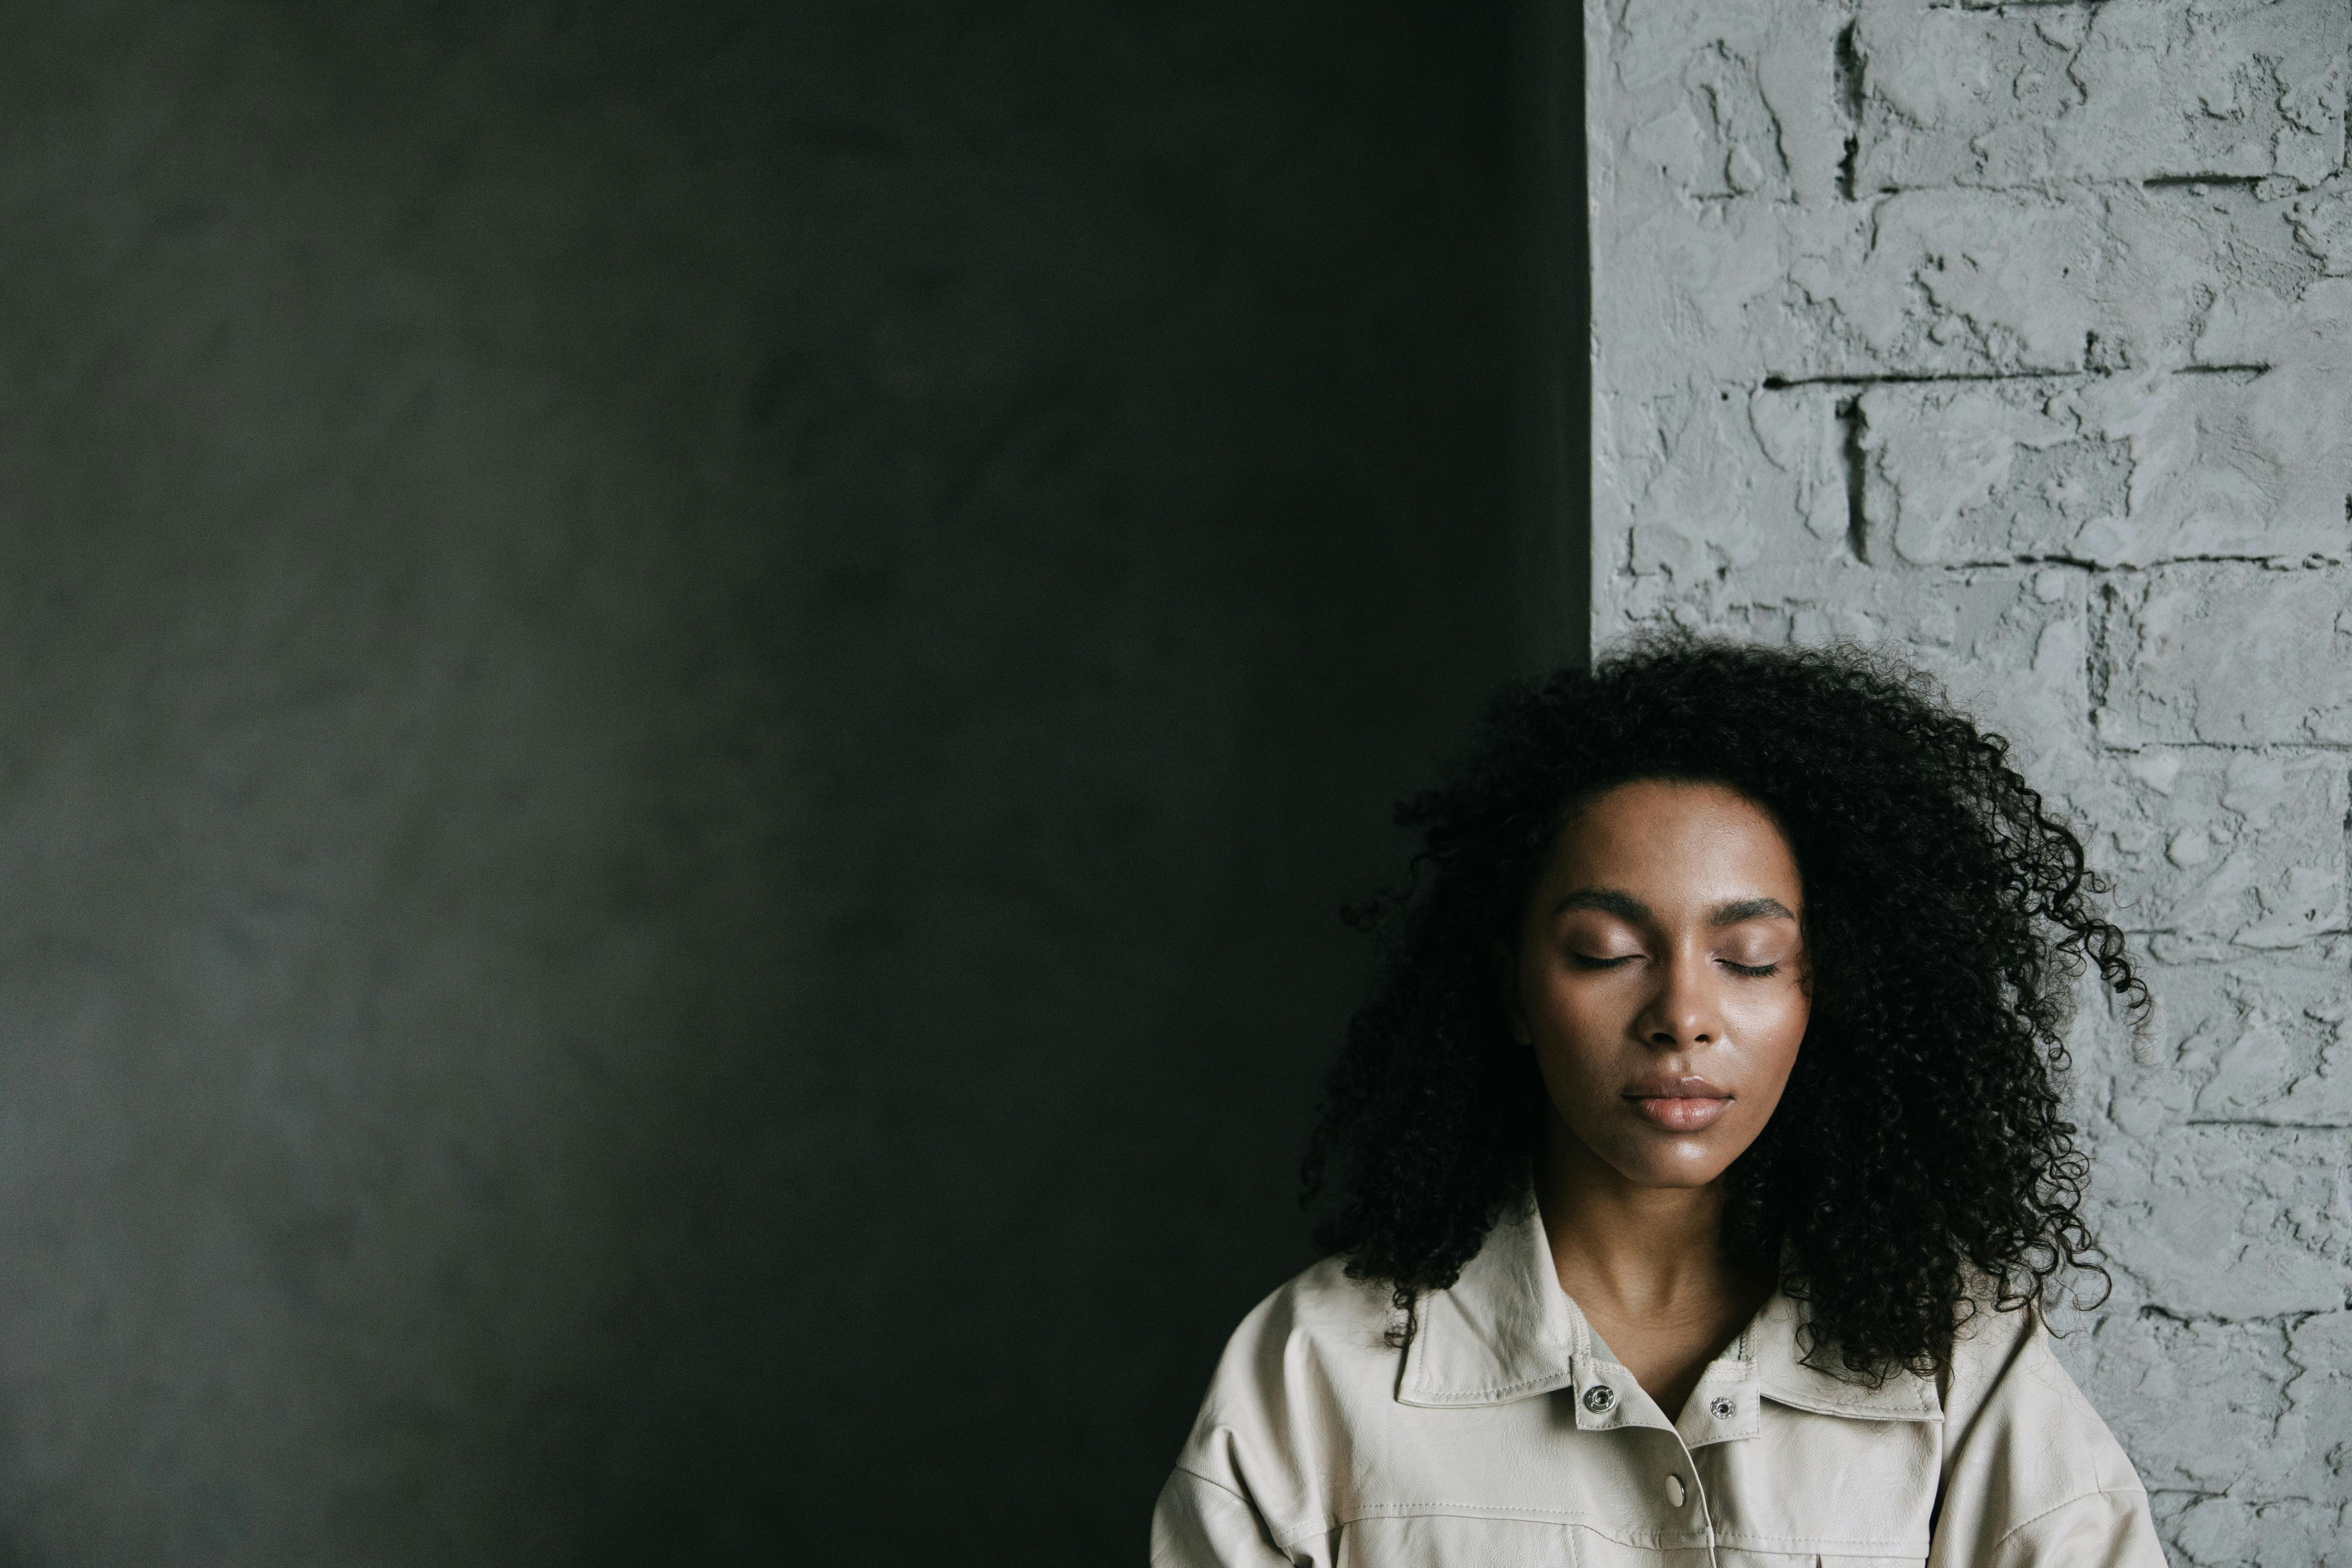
[1505, 1434]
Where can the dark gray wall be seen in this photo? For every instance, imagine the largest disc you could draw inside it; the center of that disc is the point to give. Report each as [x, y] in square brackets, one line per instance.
[1550, 313]
[684, 693]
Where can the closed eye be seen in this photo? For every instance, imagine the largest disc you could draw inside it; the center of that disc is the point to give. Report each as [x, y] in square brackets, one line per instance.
[1753, 970]
[1585, 960]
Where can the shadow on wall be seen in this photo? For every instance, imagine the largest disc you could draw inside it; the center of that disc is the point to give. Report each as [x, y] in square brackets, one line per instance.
[686, 699]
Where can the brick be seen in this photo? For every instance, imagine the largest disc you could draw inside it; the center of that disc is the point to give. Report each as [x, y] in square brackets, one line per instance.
[2130, 89]
[2230, 655]
[2262, 1040]
[2234, 1533]
[2233, 852]
[2066, 279]
[2054, 279]
[2319, 1420]
[2213, 1222]
[2111, 470]
[2079, 277]
[1707, 99]
[1950, 282]
[2322, 221]
[1708, 477]
[2272, 1399]
[2142, 1369]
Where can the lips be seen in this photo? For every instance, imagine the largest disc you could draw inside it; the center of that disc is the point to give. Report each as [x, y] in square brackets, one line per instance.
[1678, 1104]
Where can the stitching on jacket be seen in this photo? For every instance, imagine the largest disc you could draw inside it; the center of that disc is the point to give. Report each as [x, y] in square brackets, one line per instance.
[1600, 1524]
[1212, 1481]
[1555, 1378]
[2010, 1534]
[1819, 1546]
[1577, 1517]
[1216, 1485]
[1850, 1412]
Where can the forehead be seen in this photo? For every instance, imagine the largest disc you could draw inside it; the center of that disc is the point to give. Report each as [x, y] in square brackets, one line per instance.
[1671, 839]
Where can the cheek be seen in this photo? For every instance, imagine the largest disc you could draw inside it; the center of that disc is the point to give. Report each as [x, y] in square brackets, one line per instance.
[1773, 1026]
[1567, 1004]
[1578, 1022]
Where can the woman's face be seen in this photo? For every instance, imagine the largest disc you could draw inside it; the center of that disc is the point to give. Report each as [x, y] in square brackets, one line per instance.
[1661, 979]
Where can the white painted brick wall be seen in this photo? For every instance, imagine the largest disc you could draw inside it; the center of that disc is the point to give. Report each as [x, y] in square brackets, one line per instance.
[2020, 338]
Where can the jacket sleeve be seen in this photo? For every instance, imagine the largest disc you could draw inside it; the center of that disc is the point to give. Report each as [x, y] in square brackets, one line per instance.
[2031, 1477]
[1202, 1524]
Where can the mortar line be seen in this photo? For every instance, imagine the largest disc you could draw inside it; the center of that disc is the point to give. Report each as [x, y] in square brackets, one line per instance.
[1857, 479]
[1845, 68]
[2178, 182]
[2075, 182]
[1905, 378]
[2311, 562]
[2251, 368]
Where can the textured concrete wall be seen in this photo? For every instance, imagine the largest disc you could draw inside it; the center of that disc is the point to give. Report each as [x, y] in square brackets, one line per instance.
[2020, 338]
[685, 694]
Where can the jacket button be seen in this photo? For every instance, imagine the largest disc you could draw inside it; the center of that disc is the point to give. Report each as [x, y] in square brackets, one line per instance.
[1722, 1409]
[1675, 1493]
[1601, 1399]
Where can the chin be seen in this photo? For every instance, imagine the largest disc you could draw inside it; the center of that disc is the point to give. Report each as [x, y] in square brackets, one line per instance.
[1643, 1168]
[1677, 1178]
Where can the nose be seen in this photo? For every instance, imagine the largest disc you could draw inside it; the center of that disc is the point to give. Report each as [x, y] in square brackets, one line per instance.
[1684, 1010]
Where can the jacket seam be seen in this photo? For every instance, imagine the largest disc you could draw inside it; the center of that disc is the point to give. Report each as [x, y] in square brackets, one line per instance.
[1584, 1518]
[1560, 1379]
[1825, 1545]
[1281, 1542]
[2010, 1534]
[1822, 1545]
[1427, 1397]
[1828, 1545]
[1556, 1379]
[1212, 1483]
[1853, 1412]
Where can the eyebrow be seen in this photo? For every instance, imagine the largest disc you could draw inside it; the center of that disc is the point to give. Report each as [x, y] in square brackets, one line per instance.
[1626, 907]
[1608, 901]
[1732, 913]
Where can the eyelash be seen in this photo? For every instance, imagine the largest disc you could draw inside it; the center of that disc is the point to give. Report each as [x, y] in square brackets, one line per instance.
[1750, 970]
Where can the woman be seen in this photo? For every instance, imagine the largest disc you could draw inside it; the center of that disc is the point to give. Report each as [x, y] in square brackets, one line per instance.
[1699, 1161]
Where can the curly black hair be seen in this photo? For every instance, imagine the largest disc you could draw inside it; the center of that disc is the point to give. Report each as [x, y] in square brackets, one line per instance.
[1920, 1161]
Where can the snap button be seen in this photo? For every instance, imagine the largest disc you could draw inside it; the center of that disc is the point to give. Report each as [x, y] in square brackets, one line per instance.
[1675, 1493]
[1722, 1409]
[1601, 1399]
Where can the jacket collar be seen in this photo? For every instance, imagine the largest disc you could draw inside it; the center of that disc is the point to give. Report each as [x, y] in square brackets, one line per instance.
[1505, 1331]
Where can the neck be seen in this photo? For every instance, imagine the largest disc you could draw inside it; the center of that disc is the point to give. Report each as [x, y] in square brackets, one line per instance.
[1628, 1250]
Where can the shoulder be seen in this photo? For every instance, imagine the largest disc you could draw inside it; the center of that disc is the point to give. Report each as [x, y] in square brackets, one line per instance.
[2004, 1368]
[1320, 1328]
[2022, 1446]
[1293, 1380]
[1301, 1366]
